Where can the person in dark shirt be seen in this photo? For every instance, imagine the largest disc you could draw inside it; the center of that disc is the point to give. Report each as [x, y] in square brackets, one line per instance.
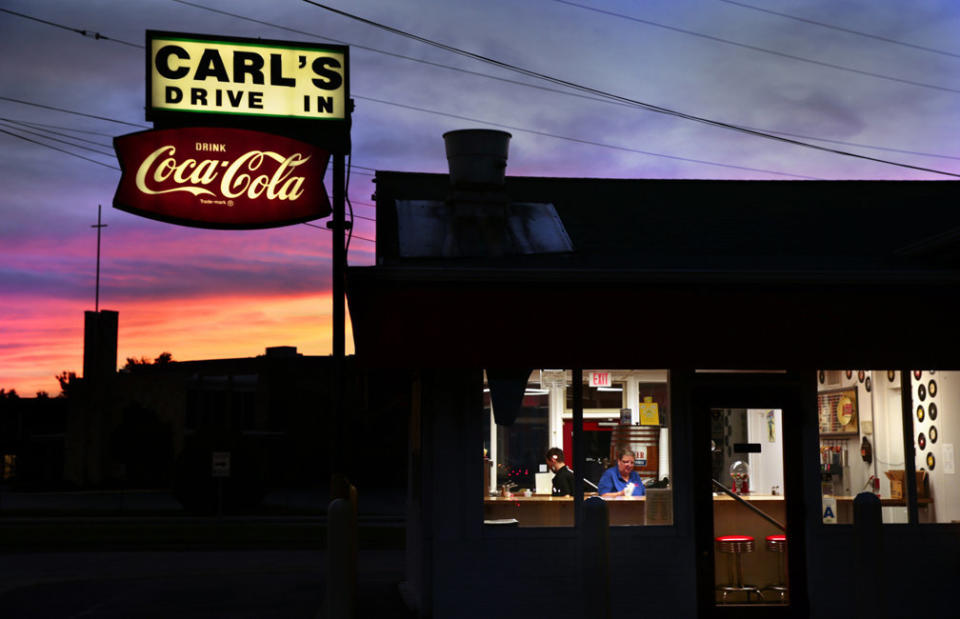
[562, 475]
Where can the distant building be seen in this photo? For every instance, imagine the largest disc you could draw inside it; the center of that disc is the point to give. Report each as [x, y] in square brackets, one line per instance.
[155, 425]
[32, 440]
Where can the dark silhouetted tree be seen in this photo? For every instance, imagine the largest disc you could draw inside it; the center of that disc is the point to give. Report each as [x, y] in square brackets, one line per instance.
[162, 359]
[68, 383]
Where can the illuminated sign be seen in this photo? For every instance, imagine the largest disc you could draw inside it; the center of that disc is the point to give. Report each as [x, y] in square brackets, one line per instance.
[600, 379]
[252, 77]
[211, 177]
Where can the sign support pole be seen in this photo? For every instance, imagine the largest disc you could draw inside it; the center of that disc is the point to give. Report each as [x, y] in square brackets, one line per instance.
[338, 415]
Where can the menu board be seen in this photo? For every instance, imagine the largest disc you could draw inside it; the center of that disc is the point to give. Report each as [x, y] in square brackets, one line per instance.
[839, 412]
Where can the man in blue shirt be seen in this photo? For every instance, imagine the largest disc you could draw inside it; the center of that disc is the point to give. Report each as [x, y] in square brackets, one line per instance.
[616, 480]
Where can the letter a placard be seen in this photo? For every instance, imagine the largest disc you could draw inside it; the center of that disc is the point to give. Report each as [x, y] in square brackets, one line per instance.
[216, 177]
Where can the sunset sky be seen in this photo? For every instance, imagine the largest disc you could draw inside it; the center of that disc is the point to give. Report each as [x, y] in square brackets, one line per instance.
[874, 77]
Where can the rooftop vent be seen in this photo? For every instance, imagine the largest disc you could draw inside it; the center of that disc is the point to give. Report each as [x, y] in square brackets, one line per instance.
[477, 158]
[478, 219]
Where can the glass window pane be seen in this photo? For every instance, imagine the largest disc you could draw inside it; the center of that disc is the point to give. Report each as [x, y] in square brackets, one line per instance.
[749, 506]
[528, 462]
[936, 398]
[861, 442]
[626, 444]
[519, 480]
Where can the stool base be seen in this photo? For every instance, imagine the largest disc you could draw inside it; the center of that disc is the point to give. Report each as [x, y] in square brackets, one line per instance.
[779, 590]
[748, 589]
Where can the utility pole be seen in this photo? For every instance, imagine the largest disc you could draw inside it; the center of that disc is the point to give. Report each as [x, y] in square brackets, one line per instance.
[99, 227]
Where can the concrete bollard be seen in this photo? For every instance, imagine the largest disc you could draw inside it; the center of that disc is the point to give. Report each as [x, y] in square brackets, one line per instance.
[340, 600]
[595, 558]
[868, 555]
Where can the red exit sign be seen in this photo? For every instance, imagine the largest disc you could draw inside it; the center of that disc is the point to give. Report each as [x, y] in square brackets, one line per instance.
[600, 379]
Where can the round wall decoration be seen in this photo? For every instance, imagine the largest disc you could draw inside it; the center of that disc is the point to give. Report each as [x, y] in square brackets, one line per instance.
[920, 413]
[849, 373]
[922, 392]
[845, 410]
[931, 461]
[868, 384]
[933, 410]
[932, 434]
[932, 388]
[822, 376]
[891, 375]
[861, 375]
[922, 441]
[917, 374]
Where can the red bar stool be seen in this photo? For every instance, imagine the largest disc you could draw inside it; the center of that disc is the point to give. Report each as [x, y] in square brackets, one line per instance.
[736, 545]
[778, 543]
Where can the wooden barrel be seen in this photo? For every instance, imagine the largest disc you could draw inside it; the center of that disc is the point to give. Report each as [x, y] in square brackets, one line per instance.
[639, 439]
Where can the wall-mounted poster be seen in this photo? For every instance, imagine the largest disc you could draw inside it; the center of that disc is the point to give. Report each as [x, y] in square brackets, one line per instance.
[839, 412]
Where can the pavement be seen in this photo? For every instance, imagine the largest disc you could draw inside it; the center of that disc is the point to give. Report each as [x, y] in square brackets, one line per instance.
[112, 554]
[190, 584]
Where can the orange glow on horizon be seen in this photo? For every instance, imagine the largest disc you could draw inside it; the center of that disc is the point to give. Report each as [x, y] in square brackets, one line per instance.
[37, 349]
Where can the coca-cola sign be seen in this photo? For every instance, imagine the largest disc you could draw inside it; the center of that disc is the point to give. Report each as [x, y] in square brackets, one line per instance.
[210, 177]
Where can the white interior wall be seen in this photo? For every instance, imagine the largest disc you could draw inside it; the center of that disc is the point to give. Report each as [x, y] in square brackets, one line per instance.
[887, 438]
[766, 467]
[943, 484]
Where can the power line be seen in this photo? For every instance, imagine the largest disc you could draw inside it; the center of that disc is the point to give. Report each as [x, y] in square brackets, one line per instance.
[2, 126]
[356, 236]
[859, 144]
[92, 35]
[59, 149]
[754, 48]
[630, 104]
[60, 109]
[49, 137]
[540, 87]
[641, 104]
[583, 141]
[840, 28]
[385, 52]
[515, 82]
[73, 129]
[38, 127]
